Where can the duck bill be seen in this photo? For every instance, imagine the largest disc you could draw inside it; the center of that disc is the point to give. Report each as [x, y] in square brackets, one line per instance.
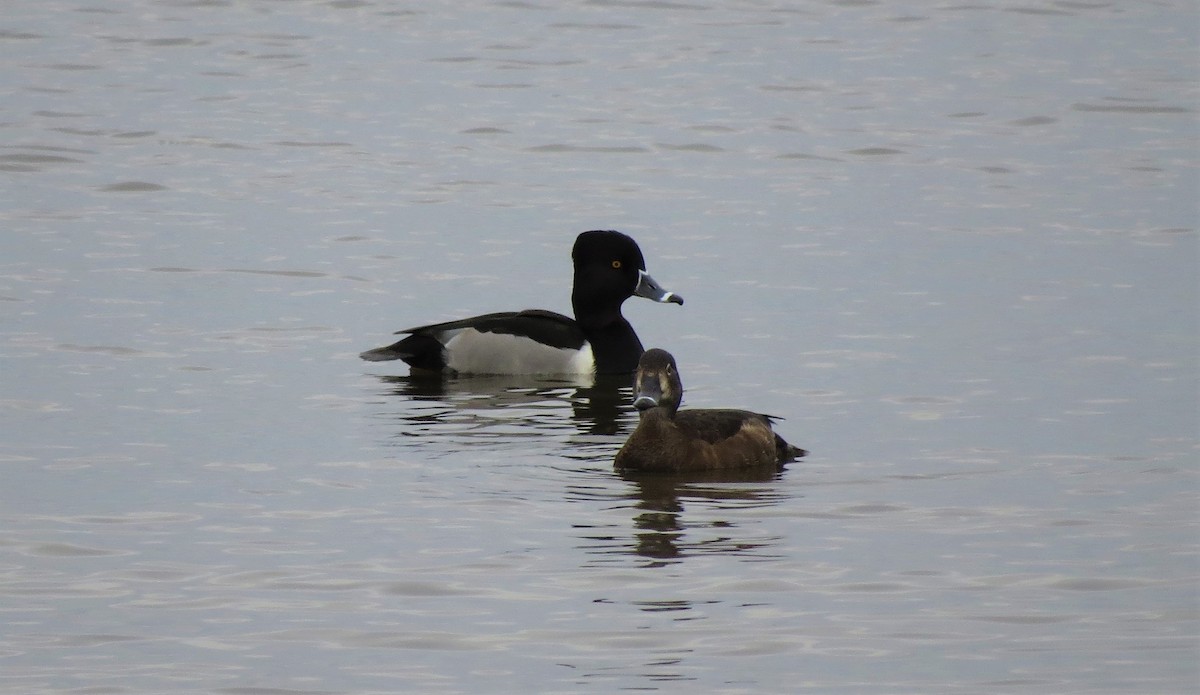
[647, 287]
[644, 403]
[647, 392]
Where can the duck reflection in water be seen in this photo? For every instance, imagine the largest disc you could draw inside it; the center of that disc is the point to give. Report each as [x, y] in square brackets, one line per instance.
[535, 404]
[664, 531]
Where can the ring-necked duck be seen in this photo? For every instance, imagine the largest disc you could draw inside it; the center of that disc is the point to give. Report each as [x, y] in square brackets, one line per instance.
[609, 269]
[670, 440]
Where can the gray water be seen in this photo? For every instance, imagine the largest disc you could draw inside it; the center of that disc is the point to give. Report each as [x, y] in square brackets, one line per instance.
[954, 246]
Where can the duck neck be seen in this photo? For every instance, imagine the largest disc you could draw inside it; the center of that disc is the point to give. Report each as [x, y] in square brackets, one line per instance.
[615, 346]
[658, 415]
[592, 313]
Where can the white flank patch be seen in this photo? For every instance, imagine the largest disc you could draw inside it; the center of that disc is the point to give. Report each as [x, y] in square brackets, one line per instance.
[472, 352]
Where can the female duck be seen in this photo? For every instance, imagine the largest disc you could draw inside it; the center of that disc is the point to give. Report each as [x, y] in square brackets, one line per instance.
[609, 268]
[670, 440]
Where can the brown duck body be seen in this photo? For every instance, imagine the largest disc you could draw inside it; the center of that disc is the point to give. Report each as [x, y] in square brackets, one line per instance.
[670, 440]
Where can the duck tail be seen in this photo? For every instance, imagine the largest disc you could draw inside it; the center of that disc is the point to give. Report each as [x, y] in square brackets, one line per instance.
[382, 354]
[786, 451]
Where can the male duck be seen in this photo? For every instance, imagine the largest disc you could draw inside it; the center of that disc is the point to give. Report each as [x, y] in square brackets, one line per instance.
[669, 440]
[609, 269]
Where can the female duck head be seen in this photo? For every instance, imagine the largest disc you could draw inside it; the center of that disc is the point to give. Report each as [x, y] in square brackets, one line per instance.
[657, 383]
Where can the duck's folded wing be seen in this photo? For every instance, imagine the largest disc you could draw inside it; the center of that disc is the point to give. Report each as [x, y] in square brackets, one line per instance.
[717, 425]
[424, 346]
[546, 327]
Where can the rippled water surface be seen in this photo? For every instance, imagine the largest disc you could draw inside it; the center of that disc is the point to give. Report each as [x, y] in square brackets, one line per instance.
[954, 246]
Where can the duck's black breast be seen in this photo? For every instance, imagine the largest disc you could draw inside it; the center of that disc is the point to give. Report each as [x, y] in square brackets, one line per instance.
[615, 347]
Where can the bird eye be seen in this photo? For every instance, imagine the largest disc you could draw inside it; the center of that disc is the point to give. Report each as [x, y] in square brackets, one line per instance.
[616, 264]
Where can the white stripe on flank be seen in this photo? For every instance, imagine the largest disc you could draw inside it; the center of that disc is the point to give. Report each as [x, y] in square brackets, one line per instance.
[472, 352]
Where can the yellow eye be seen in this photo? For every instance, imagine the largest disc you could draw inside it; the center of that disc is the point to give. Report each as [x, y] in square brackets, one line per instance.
[616, 264]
